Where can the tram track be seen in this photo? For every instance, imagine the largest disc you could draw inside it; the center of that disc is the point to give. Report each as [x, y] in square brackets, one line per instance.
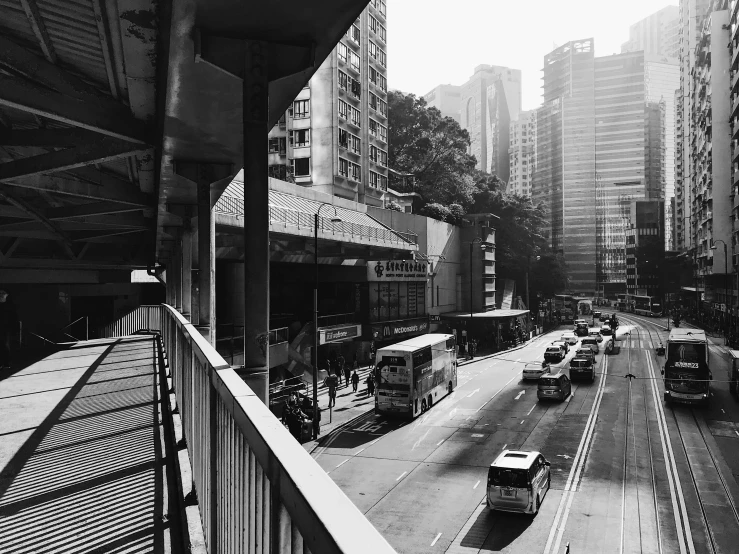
[687, 422]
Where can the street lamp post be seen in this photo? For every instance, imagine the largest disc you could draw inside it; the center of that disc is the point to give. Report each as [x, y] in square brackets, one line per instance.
[726, 278]
[335, 219]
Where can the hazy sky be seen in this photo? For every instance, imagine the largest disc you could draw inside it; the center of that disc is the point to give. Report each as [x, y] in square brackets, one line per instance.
[431, 42]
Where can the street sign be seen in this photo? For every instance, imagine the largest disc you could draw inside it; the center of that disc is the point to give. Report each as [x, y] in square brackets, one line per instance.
[337, 334]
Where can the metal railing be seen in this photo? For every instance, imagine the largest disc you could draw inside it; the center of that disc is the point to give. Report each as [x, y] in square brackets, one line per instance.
[143, 318]
[304, 220]
[258, 490]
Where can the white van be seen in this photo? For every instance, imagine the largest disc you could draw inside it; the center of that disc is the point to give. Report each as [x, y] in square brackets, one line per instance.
[518, 481]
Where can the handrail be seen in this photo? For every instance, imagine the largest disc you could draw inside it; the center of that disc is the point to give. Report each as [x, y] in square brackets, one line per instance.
[256, 486]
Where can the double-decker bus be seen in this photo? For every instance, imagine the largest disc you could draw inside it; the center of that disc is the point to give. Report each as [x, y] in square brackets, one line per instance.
[644, 305]
[621, 302]
[567, 307]
[687, 375]
[414, 374]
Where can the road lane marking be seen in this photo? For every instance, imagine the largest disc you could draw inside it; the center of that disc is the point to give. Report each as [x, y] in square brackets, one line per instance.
[560, 519]
[722, 411]
[360, 451]
[401, 476]
[520, 394]
[518, 359]
[506, 444]
[341, 464]
[678, 503]
[473, 488]
[532, 409]
[496, 394]
[436, 539]
[522, 422]
[473, 392]
[737, 433]
[438, 443]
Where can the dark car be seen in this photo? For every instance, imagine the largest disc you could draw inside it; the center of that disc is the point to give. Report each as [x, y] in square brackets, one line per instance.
[604, 317]
[582, 369]
[554, 354]
[554, 386]
[596, 314]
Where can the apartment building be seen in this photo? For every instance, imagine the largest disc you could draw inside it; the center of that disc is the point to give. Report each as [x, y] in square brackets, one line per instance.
[334, 137]
[734, 53]
[445, 98]
[522, 152]
[710, 151]
[658, 33]
[645, 248]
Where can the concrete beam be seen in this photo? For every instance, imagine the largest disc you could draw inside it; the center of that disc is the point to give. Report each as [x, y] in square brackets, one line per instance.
[90, 209]
[100, 114]
[103, 150]
[59, 184]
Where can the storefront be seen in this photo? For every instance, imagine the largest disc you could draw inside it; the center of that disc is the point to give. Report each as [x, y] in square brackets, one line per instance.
[492, 330]
[396, 301]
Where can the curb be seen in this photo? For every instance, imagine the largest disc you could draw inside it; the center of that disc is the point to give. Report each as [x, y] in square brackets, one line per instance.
[502, 352]
[338, 430]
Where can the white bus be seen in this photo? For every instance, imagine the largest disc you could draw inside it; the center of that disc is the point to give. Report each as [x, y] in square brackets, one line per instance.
[414, 374]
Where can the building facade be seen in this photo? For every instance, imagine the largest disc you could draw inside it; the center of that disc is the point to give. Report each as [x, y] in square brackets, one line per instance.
[522, 153]
[334, 137]
[489, 100]
[645, 248]
[445, 98]
[657, 34]
[710, 151]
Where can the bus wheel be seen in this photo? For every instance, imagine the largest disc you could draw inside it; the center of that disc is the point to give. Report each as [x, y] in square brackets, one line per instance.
[431, 401]
[423, 405]
[449, 388]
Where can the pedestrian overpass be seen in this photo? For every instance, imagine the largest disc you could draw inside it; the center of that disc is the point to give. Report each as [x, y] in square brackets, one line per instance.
[121, 124]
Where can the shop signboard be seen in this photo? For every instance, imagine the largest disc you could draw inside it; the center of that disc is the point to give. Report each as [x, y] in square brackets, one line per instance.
[396, 270]
[338, 334]
[391, 330]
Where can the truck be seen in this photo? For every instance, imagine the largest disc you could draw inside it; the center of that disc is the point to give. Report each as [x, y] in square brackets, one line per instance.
[687, 373]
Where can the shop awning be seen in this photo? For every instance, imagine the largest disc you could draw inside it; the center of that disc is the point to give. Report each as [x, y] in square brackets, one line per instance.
[494, 314]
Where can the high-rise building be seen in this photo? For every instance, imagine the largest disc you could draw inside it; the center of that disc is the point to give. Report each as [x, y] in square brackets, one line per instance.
[692, 13]
[710, 151]
[334, 137]
[645, 249]
[489, 100]
[661, 79]
[445, 98]
[657, 34]
[522, 152]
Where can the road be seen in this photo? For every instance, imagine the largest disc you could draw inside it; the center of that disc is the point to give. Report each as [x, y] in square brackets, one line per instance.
[629, 474]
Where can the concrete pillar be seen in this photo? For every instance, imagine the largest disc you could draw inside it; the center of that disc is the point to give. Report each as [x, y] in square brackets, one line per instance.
[206, 258]
[177, 276]
[187, 272]
[256, 219]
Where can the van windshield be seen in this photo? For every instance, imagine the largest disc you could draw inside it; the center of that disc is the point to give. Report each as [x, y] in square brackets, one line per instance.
[503, 477]
[548, 382]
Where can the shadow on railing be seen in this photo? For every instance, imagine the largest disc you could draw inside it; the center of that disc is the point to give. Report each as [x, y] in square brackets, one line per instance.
[143, 318]
[258, 490]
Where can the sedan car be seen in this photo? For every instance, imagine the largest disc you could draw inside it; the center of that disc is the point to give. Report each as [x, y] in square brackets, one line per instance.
[534, 370]
[590, 342]
[585, 352]
[604, 317]
[563, 344]
[606, 330]
[596, 335]
[569, 338]
[554, 354]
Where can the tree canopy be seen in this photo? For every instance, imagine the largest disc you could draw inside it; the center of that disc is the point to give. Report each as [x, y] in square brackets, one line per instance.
[435, 149]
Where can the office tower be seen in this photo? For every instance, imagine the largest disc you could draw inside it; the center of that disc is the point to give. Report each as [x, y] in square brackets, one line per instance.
[645, 249]
[522, 152]
[692, 13]
[710, 150]
[734, 51]
[489, 100]
[657, 34]
[445, 98]
[661, 79]
[334, 138]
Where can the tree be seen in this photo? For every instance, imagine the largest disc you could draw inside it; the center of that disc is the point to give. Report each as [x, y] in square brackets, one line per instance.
[431, 147]
[393, 205]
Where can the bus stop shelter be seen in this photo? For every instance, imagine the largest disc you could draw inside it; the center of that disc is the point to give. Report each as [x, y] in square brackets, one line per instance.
[491, 329]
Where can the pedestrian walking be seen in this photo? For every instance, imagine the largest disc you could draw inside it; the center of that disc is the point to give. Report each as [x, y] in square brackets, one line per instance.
[8, 326]
[347, 374]
[355, 366]
[331, 382]
[370, 384]
[355, 381]
[337, 371]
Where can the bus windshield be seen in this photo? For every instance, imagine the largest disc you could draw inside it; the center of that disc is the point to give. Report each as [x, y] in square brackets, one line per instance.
[686, 355]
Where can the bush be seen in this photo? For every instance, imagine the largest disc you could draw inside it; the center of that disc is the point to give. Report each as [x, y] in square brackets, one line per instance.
[436, 211]
[393, 205]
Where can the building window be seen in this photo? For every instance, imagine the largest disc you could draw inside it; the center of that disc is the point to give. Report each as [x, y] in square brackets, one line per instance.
[278, 172]
[342, 51]
[353, 60]
[373, 49]
[343, 138]
[381, 57]
[301, 109]
[353, 33]
[300, 167]
[372, 101]
[374, 179]
[379, 6]
[382, 82]
[383, 132]
[343, 80]
[343, 167]
[378, 155]
[373, 75]
[373, 127]
[356, 144]
[382, 32]
[300, 138]
[343, 109]
[383, 106]
[356, 172]
[274, 145]
[356, 116]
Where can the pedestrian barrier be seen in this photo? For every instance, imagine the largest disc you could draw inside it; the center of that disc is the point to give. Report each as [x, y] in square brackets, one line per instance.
[258, 490]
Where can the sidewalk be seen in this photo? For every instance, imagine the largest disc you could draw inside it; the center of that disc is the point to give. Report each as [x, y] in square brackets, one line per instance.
[83, 463]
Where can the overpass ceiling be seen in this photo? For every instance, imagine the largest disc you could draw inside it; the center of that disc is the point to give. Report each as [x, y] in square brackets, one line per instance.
[99, 97]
